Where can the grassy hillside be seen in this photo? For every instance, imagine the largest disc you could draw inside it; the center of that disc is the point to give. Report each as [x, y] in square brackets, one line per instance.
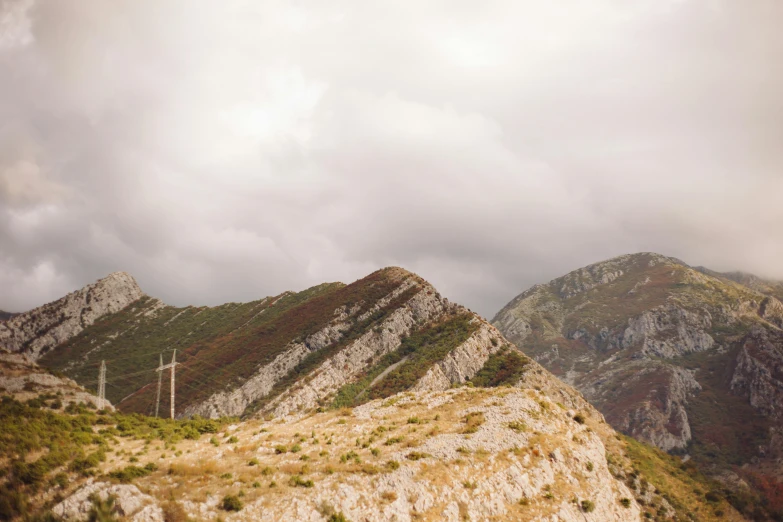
[216, 346]
[48, 453]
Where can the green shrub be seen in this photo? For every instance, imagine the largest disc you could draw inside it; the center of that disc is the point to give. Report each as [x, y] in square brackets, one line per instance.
[579, 418]
[231, 503]
[298, 481]
[129, 473]
[505, 367]
[587, 506]
[416, 455]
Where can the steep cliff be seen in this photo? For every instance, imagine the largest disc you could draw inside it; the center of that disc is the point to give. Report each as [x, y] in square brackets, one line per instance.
[678, 357]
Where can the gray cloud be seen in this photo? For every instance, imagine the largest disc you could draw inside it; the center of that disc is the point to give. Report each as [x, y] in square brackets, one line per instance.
[229, 150]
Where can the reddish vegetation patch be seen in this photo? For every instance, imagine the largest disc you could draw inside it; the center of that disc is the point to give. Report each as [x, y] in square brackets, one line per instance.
[634, 391]
[770, 489]
[230, 359]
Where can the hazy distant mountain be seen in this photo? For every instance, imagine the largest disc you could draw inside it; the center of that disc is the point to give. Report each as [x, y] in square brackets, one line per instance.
[685, 360]
[765, 286]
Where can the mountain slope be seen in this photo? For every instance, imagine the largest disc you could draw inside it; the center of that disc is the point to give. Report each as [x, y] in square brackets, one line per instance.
[36, 332]
[684, 360]
[4, 316]
[388, 332]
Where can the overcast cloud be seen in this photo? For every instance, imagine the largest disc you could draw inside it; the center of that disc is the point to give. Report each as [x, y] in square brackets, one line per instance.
[223, 151]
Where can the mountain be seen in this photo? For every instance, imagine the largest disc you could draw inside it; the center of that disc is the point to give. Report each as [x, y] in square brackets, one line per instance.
[386, 333]
[36, 332]
[4, 316]
[685, 359]
[377, 400]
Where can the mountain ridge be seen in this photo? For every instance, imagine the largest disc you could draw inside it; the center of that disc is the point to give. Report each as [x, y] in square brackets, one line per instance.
[35, 332]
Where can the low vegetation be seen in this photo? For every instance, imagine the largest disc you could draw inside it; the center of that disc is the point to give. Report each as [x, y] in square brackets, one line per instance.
[45, 448]
[505, 367]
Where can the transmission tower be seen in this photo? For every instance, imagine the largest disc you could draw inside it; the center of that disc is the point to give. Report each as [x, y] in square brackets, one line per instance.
[173, 368]
[172, 365]
[160, 381]
[102, 386]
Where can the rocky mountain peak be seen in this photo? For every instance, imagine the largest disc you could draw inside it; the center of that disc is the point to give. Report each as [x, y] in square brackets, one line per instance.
[37, 331]
[686, 359]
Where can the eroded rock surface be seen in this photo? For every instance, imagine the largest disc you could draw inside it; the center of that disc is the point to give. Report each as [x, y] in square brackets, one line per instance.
[657, 346]
[36, 332]
[129, 502]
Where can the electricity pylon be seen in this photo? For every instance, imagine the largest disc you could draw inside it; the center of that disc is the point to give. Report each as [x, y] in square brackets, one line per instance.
[172, 365]
[102, 386]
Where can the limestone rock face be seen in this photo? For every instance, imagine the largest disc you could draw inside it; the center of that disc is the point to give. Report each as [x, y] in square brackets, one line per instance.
[758, 374]
[129, 502]
[655, 344]
[36, 332]
[669, 331]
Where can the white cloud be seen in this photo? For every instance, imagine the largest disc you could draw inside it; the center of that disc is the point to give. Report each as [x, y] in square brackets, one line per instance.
[228, 150]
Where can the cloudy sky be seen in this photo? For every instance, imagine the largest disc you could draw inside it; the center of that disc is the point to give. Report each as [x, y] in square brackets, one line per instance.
[223, 151]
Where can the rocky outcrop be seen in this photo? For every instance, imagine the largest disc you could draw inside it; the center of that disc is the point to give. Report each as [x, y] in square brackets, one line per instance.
[464, 361]
[656, 344]
[129, 503]
[669, 331]
[36, 332]
[758, 374]
[661, 417]
[595, 275]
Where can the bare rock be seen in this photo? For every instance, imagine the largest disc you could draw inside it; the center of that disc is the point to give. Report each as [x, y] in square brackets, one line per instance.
[36, 332]
[128, 502]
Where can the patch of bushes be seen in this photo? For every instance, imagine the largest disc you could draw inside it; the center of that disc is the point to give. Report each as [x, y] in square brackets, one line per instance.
[505, 367]
[231, 503]
[130, 473]
[473, 421]
[298, 481]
